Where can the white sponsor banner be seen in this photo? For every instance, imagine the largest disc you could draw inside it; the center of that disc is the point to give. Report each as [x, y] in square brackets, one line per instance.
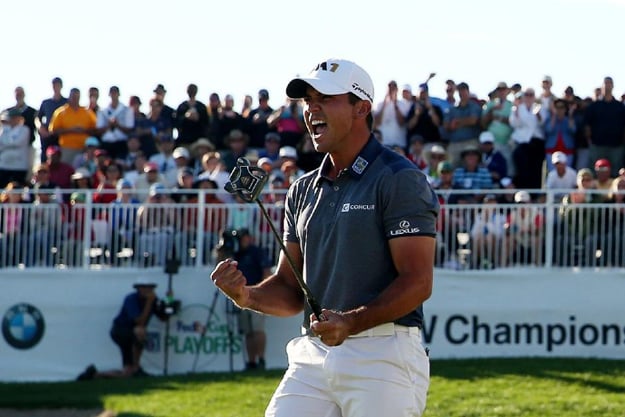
[526, 312]
[55, 323]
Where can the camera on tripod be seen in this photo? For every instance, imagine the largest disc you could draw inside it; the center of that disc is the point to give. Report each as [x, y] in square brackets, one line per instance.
[168, 307]
[172, 266]
[228, 244]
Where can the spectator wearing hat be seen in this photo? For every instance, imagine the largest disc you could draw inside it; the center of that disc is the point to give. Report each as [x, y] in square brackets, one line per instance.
[578, 218]
[605, 128]
[15, 147]
[197, 151]
[169, 114]
[73, 124]
[288, 121]
[560, 129]
[256, 122]
[390, 118]
[462, 124]
[60, 172]
[495, 119]
[114, 124]
[191, 118]
[562, 177]
[182, 158]
[81, 179]
[149, 177]
[492, 159]
[87, 158]
[547, 97]
[471, 175]
[424, 118]
[45, 113]
[237, 143]
[29, 114]
[529, 144]
[129, 330]
[165, 161]
[288, 164]
[434, 156]
[604, 180]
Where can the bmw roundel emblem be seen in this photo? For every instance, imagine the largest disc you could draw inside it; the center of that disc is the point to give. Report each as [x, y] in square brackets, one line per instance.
[23, 326]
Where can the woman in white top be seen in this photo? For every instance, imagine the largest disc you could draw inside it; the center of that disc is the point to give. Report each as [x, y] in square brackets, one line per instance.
[15, 148]
[529, 143]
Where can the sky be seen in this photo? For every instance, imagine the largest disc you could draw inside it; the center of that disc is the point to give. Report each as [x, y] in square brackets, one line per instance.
[237, 47]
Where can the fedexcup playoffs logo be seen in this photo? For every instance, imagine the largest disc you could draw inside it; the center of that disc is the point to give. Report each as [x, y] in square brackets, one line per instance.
[23, 326]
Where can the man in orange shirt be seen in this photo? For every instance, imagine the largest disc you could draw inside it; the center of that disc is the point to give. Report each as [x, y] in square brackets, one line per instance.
[73, 124]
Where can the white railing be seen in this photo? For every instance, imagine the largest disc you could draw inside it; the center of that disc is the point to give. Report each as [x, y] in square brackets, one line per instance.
[96, 235]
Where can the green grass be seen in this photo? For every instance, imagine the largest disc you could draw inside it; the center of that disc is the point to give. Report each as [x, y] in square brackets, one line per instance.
[467, 388]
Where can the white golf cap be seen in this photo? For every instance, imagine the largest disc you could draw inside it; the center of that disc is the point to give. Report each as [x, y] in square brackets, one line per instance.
[181, 153]
[333, 77]
[487, 137]
[558, 157]
[287, 152]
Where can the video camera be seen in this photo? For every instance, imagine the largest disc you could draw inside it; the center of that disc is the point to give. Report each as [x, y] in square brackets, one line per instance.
[228, 244]
[168, 307]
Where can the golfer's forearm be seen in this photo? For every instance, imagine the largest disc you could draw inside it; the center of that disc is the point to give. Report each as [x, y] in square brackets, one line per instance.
[400, 298]
[275, 298]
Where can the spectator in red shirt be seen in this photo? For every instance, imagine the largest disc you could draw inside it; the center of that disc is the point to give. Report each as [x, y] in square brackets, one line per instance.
[60, 172]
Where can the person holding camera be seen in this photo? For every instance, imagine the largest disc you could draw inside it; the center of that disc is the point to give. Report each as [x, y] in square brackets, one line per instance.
[129, 330]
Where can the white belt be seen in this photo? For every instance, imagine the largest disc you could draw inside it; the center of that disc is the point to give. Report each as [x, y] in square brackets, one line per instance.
[386, 329]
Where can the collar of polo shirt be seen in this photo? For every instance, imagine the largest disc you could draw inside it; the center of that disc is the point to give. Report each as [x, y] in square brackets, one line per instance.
[370, 151]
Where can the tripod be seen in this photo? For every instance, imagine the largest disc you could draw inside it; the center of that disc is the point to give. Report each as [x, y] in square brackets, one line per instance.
[229, 310]
[171, 306]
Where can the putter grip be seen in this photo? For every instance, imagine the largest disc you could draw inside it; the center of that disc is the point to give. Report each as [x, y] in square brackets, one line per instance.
[316, 308]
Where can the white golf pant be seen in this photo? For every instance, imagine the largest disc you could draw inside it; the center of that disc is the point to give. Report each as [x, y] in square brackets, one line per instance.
[381, 372]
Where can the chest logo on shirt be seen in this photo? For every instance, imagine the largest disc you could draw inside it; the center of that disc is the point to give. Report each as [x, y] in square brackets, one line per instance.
[349, 207]
[359, 165]
[404, 229]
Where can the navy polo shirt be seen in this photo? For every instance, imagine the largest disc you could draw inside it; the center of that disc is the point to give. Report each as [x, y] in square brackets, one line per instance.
[343, 226]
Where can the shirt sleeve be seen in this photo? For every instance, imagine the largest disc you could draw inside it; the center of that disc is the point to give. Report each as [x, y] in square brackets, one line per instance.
[410, 205]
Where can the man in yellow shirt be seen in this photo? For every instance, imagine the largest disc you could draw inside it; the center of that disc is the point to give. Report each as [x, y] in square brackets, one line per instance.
[73, 124]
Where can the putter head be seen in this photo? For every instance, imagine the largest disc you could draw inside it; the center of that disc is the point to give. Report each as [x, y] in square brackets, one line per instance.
[246, 181]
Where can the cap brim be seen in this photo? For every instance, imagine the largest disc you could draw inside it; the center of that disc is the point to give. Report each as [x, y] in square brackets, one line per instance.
[297, 87]
[144, 285]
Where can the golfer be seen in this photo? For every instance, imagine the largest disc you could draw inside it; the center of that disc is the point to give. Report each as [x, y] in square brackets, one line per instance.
[361, 228]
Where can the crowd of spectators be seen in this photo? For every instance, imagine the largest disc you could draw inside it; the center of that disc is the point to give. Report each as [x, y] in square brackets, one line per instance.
[514, 139]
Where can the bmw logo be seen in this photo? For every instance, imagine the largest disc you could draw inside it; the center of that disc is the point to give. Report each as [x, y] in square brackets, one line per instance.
[23, 326]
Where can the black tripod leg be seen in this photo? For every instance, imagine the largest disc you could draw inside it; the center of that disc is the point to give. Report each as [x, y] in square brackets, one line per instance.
[211, 313]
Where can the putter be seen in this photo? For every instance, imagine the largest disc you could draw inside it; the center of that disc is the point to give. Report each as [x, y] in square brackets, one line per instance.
[247, 182]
